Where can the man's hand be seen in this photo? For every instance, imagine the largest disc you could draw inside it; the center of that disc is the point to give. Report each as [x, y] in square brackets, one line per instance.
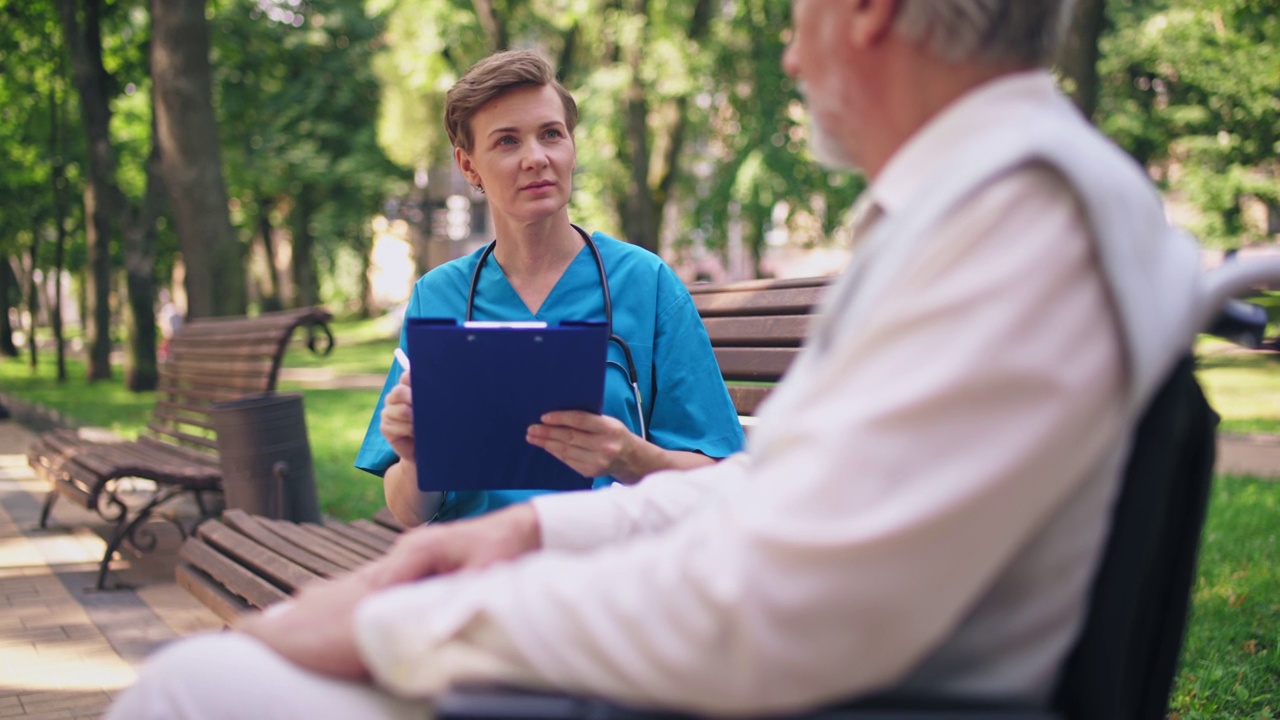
[460, 545]
[397, 419]
[316, 630]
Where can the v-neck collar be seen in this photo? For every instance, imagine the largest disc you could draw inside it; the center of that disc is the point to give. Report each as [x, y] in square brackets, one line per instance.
[516, 303]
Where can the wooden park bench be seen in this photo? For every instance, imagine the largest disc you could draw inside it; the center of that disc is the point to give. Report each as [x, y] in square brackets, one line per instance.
[209, 360]
[241, 562]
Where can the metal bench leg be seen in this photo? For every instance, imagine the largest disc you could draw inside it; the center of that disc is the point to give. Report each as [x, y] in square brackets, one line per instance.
[132, 530]
[46, 507]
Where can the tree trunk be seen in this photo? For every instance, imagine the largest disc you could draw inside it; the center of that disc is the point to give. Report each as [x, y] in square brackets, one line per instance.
[33, 301]
[7, 348]
[104, 204]
[639, 223]
[306, 290]
[494, 28]
[142, 371]
[187, 132]
[1078, 59]
[364, 243]
[271, 293]
[641, 211]
[57, 180]
[97, 317]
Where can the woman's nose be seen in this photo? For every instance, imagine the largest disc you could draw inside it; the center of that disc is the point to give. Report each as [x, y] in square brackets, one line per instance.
[535, 157]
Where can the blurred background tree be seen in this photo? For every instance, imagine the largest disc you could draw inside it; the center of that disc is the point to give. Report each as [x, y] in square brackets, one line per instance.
[1191, 88]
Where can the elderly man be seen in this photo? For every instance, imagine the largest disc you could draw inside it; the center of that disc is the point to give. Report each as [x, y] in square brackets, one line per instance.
[924, 500]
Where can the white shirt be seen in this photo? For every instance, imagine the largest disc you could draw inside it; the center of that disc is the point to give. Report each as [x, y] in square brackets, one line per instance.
[921, 504]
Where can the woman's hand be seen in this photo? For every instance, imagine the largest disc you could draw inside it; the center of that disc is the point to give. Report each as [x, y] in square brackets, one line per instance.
[593, 445]
[597, 445]
[397, 419]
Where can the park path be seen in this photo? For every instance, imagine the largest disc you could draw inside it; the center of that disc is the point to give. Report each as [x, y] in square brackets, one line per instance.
[65, 648]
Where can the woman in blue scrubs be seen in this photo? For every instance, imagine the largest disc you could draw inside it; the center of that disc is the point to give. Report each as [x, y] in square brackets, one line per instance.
[511, 124]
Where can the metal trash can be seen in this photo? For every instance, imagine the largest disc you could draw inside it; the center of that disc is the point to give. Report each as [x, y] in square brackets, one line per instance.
[265, 457]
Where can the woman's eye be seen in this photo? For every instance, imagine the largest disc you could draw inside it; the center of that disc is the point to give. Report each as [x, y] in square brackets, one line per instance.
[506, 140]
[554, 133]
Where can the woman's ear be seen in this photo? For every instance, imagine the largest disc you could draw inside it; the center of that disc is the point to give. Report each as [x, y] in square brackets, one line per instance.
[467, 167]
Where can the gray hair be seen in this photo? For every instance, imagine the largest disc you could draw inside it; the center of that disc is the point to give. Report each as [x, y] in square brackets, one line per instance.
[1024, 32]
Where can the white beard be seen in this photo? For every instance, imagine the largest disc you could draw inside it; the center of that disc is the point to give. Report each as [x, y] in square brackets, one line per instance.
[826, 149]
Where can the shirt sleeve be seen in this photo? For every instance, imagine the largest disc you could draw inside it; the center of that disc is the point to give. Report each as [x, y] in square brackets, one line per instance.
[580, 521]
[889, 486]
[375, 454]
[691, 408]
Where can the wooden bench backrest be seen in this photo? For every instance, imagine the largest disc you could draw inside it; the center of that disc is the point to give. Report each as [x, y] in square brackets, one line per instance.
[756, 329]
[212, 360]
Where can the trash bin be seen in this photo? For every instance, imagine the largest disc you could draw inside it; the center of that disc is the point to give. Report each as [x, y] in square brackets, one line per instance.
[265, 457]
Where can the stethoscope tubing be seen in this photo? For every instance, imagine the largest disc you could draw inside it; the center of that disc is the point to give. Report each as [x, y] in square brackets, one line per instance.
[633, 377]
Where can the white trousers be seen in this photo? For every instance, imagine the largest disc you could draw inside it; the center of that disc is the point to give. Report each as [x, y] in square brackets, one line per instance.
[230, 675]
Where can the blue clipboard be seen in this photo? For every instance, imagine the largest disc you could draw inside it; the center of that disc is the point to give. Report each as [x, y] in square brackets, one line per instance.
[477, 387]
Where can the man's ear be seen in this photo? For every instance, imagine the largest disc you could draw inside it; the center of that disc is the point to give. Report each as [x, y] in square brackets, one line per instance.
[870, 21]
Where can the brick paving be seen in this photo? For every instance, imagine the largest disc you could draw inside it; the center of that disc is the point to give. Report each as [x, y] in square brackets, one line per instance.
[65, 648]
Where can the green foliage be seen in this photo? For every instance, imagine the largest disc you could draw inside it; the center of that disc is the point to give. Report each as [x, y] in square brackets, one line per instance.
[1190, 87]
[33, 87]
[707, 75]
[298, 106]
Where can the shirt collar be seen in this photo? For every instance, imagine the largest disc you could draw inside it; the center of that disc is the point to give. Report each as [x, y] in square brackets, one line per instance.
[989, 105]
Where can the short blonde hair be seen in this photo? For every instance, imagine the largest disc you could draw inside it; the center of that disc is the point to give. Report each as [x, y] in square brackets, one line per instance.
[493, 77]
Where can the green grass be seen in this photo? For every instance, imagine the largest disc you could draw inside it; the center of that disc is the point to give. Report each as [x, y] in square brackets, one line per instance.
[336, 421]
[1231, 654]
[1243, 386]
[362, 347]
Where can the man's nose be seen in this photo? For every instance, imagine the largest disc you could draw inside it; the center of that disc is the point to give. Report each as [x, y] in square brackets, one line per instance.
[789, 59]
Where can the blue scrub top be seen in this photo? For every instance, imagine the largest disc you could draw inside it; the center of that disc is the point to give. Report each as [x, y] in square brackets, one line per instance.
[686, 404]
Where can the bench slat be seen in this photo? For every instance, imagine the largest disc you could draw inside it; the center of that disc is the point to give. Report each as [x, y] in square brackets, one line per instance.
[256, 530]
[788, 301]
[231, 573]
[746, 398]
[332, 535]
[759, 364]
[359, 535]
[210, 593]
[378, 530]
[263, 558]
[323, 547]
[761, 331]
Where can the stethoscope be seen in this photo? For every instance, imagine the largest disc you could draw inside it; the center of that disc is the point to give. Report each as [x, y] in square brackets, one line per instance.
[630, 368]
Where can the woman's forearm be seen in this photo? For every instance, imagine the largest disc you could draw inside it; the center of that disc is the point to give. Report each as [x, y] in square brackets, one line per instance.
[648, 458]
[407, 503]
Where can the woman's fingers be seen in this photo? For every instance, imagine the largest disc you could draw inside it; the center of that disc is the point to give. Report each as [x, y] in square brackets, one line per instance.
[592, 445]
[396, 424]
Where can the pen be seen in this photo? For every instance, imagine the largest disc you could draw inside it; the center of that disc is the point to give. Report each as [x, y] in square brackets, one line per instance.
[402, 359]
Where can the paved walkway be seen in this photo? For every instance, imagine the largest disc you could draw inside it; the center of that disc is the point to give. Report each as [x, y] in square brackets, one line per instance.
[66, 649]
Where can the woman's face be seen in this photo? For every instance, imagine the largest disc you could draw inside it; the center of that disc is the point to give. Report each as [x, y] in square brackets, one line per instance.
[523, 155]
